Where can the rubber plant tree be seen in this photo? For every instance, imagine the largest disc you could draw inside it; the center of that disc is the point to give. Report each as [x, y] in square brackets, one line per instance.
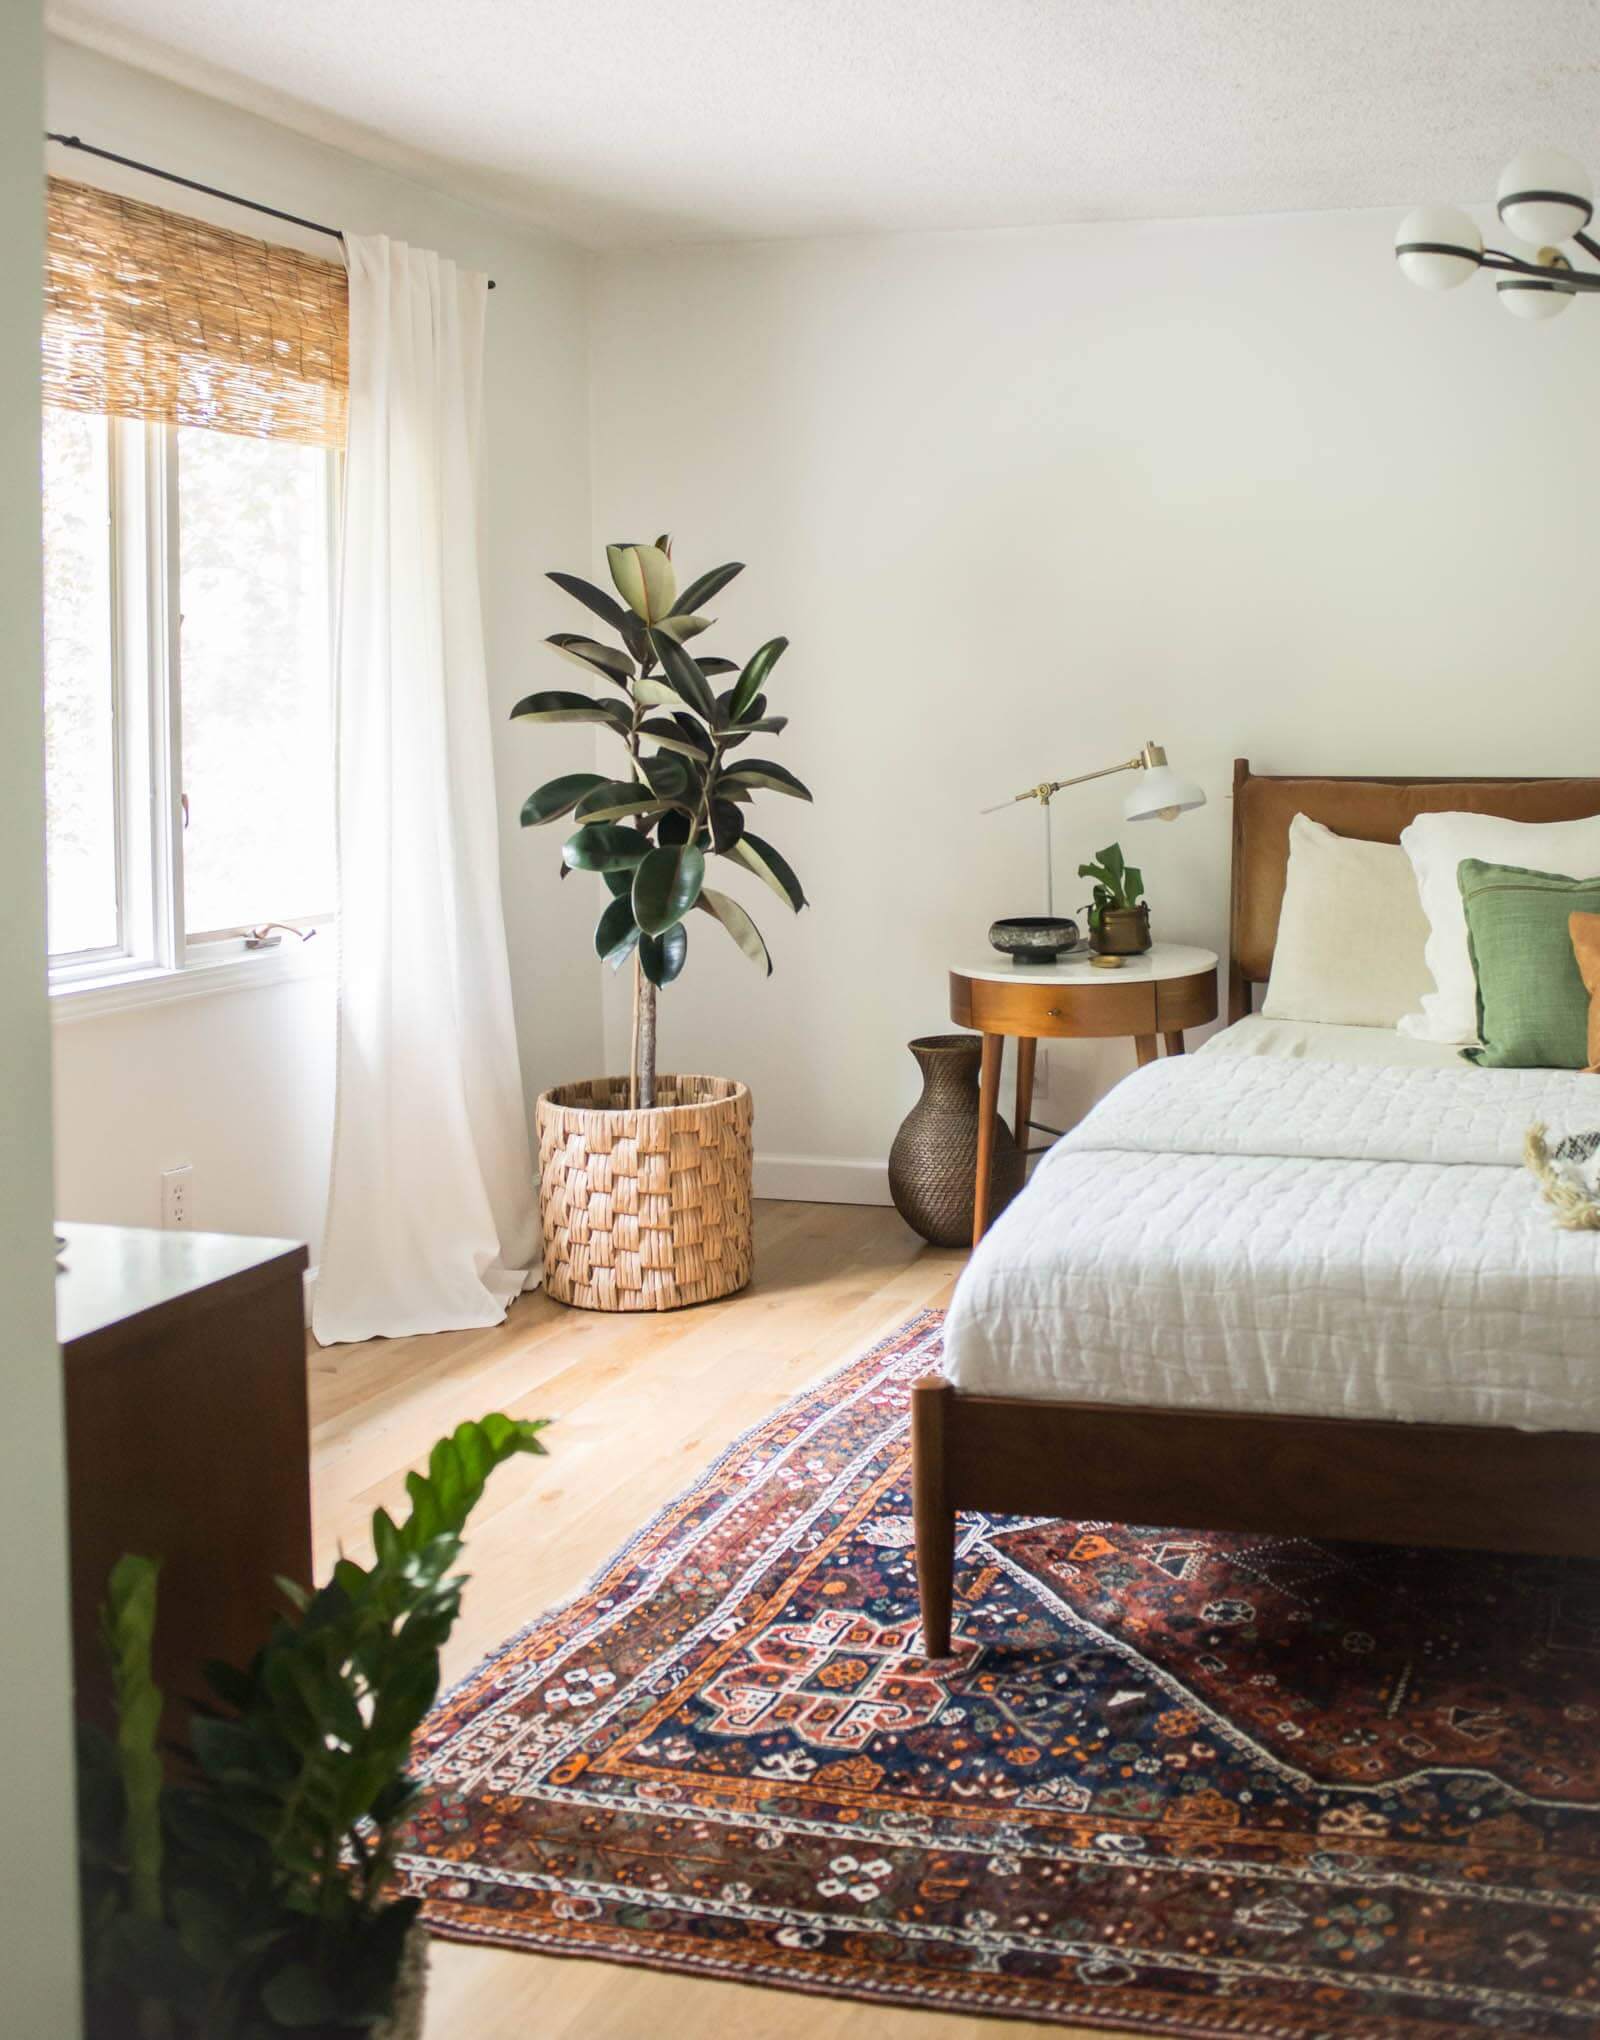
[683, 794]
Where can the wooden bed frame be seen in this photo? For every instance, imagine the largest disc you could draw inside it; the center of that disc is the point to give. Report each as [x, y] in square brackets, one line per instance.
[1472, 1486]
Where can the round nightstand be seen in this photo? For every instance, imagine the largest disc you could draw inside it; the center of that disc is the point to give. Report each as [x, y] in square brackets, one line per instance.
[1160, 993]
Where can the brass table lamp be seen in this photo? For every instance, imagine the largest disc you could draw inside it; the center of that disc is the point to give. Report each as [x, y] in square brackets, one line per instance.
[1161, 793]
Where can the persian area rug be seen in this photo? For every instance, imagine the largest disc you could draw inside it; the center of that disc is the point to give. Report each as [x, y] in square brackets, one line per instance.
[1170, 1783]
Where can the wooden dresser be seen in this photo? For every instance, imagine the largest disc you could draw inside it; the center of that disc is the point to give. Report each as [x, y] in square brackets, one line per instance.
[183, 1356]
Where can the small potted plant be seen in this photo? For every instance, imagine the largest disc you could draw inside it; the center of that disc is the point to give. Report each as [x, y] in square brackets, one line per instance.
[1119, 914]
[251, 1893]
[644, 1179]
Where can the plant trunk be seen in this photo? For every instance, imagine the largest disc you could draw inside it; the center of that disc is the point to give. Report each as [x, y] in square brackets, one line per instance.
[644, 1040]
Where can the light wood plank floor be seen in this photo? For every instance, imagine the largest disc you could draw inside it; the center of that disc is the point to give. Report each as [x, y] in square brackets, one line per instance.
[642, 1405]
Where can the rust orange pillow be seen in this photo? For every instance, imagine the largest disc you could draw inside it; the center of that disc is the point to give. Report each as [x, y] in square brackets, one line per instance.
[1586, 947]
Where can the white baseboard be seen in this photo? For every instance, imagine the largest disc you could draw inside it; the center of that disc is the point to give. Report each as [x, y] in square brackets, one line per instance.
[823, 1179]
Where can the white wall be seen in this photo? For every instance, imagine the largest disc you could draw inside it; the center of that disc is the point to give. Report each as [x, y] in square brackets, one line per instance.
[1023, 500]
[38, 1933]
[241, 1084]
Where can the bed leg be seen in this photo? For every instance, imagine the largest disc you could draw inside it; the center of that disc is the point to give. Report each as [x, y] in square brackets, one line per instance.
[934, 1518]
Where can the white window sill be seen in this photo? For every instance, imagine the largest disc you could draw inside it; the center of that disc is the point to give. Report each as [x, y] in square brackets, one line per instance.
[239, 970]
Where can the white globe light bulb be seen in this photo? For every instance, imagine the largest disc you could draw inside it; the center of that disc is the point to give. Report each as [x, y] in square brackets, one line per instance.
[1437, 247]
[1545, 196]
[1528, 297]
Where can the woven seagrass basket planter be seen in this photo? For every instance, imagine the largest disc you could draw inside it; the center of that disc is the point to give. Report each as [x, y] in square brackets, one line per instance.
[645, 1210]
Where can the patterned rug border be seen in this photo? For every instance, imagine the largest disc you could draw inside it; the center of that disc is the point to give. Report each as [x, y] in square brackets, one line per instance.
[877, 1982]
[1164, 2025]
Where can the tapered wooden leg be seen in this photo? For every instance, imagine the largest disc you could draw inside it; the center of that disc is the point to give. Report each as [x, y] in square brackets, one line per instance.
[1174, 1041]
[988, 1112]
[1027, 1050]
[1144, 1047]
[934, 1519]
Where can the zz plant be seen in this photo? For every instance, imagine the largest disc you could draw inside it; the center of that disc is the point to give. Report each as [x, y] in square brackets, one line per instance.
[252, 1895]
[682, 796]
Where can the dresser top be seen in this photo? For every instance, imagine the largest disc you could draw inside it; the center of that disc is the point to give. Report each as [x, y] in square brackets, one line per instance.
[114, 1274]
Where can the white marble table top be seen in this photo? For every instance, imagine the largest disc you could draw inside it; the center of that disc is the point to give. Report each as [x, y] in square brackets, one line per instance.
[1161, 960]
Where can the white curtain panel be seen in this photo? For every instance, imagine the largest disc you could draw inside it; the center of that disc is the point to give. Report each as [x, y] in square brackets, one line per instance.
[432, 1224]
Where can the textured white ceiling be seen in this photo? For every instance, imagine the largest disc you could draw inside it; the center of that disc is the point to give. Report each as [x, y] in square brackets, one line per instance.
[619, 122]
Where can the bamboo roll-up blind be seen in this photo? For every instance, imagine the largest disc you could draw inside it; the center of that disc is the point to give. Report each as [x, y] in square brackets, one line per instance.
[150, 314]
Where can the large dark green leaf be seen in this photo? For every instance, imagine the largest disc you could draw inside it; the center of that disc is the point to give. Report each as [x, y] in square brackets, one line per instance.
[597, 658]
[673, 827]
[661, 956]
[762, 772]
[605, 846]
[685, 675]
[741, 733]
[558, 797]
[604, 606]
[613, 798]
[754, 676]
[710, 662]
[671, 738]
[557, 705]
[693, 731]
[738, 924]
[727, 824]
[707, 588]
[618, 883]
[669, 777]
[769, 866]
[666, 885]
[616, 931]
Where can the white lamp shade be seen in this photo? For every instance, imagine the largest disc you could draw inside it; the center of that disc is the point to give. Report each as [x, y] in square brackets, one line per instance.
[1545, 197]
[1438, 247]
[1527, 297]
[1160, 791]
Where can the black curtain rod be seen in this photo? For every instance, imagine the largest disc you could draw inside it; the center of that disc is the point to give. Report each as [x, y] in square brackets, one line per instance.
[190, 184]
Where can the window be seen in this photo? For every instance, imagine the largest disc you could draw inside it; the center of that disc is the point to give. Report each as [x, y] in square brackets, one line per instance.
[80, 712]
[196, 383]
[188, 699]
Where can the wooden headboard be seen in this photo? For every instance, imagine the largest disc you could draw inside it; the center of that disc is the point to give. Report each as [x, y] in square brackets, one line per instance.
[1375, 810]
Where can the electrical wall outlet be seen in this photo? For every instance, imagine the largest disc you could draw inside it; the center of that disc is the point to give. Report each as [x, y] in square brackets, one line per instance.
[177, 1188]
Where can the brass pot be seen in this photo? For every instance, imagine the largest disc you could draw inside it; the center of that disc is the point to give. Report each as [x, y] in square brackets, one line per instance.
[1123, 931]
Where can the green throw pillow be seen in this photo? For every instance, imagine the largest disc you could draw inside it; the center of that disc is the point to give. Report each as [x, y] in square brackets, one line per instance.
[1533, 1008]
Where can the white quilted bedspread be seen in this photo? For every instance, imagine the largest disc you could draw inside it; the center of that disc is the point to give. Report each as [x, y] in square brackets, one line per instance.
[1311, 1238]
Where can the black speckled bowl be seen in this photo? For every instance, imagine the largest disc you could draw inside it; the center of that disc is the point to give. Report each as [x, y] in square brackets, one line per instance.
[1034, 938]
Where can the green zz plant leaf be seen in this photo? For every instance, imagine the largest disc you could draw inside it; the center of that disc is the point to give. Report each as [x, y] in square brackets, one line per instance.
[253, 1897]
[128, 1625]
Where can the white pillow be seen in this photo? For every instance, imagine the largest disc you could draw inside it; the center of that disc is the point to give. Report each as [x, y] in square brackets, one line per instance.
[1351, 933]
[1436, 845]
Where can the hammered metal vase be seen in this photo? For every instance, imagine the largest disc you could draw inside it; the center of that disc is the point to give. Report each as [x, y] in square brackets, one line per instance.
[933, 1164]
